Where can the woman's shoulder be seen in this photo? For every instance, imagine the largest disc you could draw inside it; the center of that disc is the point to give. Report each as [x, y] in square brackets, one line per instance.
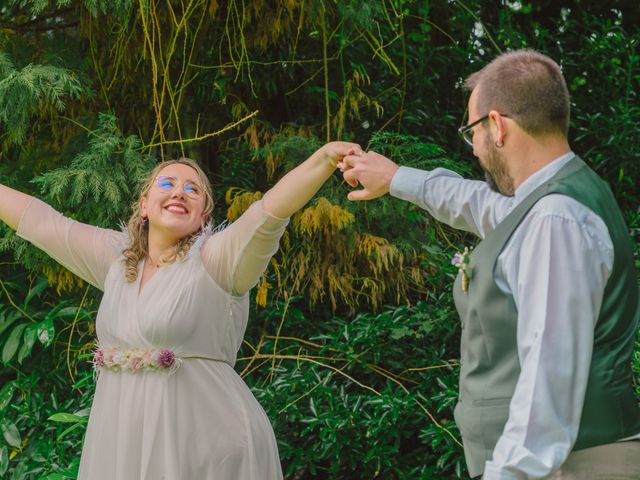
[207, 235]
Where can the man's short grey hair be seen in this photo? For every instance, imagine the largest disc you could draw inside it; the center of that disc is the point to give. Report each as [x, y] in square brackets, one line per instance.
[528, 87]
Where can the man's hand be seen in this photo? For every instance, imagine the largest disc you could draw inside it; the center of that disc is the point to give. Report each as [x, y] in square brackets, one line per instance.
[371, 170]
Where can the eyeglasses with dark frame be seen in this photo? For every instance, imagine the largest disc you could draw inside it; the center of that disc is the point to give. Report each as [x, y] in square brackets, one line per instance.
[466, 131]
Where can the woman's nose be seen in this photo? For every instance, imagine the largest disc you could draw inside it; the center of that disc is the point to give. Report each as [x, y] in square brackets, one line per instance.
[178, 192]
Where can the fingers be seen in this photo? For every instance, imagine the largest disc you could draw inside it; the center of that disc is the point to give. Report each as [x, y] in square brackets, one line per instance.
[352, 160]
[346, 148]
[335, 152]
[355, 150]
[350, 177]
[357, 195]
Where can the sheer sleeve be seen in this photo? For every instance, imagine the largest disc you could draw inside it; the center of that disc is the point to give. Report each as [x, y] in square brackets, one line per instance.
[236, 257]
[85, 250]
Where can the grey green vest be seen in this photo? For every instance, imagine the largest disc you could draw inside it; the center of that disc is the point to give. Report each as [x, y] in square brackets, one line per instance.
[489, 359]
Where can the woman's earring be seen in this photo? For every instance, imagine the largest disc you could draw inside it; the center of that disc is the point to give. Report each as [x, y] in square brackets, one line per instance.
[143, 221]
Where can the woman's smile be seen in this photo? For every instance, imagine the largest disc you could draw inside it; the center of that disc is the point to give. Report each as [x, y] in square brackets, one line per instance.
[176, 208]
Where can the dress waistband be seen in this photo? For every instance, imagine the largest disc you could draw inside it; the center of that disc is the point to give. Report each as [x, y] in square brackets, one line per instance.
[136, 360]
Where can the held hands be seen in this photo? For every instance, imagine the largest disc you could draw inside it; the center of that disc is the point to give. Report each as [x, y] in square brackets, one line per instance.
[371, 170]
[296, 188]
[334, 152]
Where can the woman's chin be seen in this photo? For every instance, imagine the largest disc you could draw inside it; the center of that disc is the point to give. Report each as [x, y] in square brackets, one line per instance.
[177, 228]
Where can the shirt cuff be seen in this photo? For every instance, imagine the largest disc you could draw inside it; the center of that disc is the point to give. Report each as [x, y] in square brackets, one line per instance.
[407, 183]
[492, 472]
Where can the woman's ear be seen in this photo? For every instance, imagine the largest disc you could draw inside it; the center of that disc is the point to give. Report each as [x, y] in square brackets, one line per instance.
[143, 207]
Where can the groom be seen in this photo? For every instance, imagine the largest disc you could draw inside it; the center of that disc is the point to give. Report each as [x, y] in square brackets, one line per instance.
[548, 300]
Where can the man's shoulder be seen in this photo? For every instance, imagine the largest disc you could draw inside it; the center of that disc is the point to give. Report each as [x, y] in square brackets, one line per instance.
[569, 212]
[559, 205]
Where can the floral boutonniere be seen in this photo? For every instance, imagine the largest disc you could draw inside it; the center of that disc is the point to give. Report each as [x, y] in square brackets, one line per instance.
[461, 260]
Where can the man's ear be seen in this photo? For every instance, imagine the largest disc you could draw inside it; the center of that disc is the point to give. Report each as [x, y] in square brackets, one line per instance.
[499, 127]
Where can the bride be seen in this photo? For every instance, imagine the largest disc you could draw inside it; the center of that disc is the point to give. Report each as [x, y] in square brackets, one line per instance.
[168, 403]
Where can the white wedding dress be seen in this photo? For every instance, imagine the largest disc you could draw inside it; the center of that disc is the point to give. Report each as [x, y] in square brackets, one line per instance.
[199, 422]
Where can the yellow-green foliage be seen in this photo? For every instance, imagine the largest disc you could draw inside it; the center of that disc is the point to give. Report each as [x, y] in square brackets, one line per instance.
[238, 201]
[324, 218]
[330, 260]
[61, 278]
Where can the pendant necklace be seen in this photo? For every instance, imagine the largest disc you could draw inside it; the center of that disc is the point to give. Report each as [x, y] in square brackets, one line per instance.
[152, 262]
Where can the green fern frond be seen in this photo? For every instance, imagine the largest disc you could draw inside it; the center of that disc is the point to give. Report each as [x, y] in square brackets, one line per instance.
[31, 90]
[99, 181]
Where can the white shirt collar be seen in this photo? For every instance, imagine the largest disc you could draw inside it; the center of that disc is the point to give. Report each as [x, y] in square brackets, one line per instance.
[540, 177]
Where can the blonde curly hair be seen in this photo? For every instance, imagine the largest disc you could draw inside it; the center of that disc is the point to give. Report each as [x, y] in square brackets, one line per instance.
[138, 229]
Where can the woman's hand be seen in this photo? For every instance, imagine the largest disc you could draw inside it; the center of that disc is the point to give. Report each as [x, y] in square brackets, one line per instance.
[334, 152]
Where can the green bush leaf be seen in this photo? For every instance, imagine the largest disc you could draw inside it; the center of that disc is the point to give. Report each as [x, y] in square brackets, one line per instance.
[11, 346]
[27, 345]
[69, 430]
[10, 433]
[5, 394]
[5, 323]
[46, 332]
[67, 418]
[35, 291]
[4, 460]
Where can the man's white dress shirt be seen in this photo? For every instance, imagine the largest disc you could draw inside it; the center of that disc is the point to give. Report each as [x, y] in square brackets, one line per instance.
[555, 266]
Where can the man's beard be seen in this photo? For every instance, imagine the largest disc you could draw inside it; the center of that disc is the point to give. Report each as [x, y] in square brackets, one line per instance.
[495, 170]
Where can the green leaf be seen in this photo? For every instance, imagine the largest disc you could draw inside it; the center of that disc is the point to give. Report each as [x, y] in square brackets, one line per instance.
[67, 418]
[61, 310]
[27, 345]
[5, 394]
[7, 322]
[400, 332]
[69, 430]
[12, 343]
[10, 433]
[35, 291]
[46, 332]
[4, 460]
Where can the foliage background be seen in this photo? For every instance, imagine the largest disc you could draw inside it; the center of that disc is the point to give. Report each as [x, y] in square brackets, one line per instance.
[352, 342]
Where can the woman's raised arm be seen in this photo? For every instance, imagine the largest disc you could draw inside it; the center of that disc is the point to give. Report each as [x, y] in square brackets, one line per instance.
[298, 186]
[13, 204]
[85, 250]
[237, 256]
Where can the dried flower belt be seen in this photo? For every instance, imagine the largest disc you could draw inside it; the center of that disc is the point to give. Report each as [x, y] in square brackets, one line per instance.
[135, 360]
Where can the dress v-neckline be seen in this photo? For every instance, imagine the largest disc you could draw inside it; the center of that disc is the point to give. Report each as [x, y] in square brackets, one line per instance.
[143, 287]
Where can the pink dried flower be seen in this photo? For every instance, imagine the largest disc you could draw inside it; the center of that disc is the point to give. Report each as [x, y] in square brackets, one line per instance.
[135, 363]
[166, 358]
[108, 357]
[98, 358]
